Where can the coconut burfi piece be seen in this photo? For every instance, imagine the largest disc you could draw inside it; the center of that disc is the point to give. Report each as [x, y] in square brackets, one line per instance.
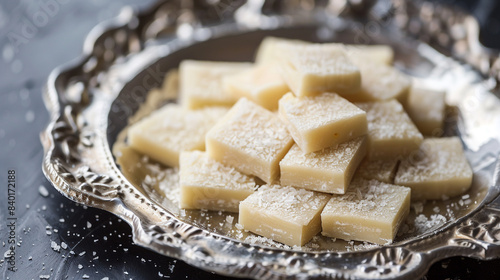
[201, 83]
[438, 171]
[381, 54]
[380, 170]
[427, 109]
[262, 84]
[380, 83]
[285, 214]
[311, 69]
[329, 170]
[170, 86]
[208, 184]
[391, 133]
[172, 129]
[251, 139]
[321, 121]
[268, 50]
[369, 211]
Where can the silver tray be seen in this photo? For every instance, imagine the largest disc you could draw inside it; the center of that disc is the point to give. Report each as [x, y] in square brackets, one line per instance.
[91, 99]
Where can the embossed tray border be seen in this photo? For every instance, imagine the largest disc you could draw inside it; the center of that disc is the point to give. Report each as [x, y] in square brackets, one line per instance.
[79, 163]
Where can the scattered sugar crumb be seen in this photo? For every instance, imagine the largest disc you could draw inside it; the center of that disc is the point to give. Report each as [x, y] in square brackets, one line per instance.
[418, 207]
[422, 223]
[55, 246]
[43, 191]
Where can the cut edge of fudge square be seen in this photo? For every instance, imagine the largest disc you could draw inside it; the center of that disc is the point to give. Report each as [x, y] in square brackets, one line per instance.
[321, 121]
[208, 184]
[380, 170]
[329, 170]
[369, 211]
[285, 214]
[251, 139]
[438, 171]
[386, 149]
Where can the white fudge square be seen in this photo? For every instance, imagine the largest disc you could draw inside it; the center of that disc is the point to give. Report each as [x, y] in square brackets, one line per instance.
[321, 121]
[381, 54]
[284, 214]
[311, 69]
[262, 84]
[380, 83]
[391, 133]
[172, 129]
[427, 109]
[438, 171]
[201, 83]
[170, 86]
[269, 50]
[251, 139]
[369, 211]
[208, 184]
[329, 170]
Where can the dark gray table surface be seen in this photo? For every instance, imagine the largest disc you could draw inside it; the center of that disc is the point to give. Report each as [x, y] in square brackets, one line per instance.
[55, 237]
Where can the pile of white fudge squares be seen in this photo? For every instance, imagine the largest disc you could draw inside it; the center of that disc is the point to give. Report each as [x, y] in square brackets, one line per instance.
[310, 138]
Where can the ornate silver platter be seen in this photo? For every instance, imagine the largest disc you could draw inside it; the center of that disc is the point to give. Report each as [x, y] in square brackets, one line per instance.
[92, 98]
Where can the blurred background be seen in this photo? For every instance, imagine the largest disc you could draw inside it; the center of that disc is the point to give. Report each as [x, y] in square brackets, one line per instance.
[58, 239]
